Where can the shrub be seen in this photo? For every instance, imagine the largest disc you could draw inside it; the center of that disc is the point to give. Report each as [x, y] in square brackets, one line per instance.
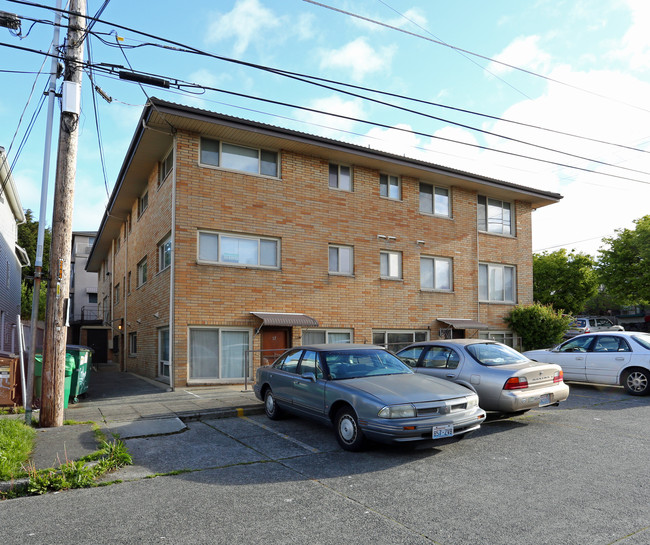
[538, 326]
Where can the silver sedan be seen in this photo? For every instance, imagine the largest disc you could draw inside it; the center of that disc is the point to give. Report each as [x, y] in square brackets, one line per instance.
[364, 391]
[613, 357]
[505, 380]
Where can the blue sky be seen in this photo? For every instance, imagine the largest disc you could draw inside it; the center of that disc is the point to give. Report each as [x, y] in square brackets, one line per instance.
[585, 70]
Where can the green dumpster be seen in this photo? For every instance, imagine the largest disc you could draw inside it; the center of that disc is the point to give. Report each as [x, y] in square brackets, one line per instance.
[69, 370]
[82, 358]
[38, 377]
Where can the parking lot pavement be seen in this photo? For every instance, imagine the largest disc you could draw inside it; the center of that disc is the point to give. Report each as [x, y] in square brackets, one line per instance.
[574, 474]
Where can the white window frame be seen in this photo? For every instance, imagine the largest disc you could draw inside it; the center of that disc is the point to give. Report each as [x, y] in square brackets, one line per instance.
[437, 262]
[417, 335]
[164, 365]
[334, 178]
[492, 216]
[220, 154]
[337, 268]
[488, 275]
[259, 240]
[329, 333]
[387, 260]
[142, 272]
[502, 336]
[165, 167]
[143, 202]
[435, 191]
[388, 182]
[219, 378]
[164, 250]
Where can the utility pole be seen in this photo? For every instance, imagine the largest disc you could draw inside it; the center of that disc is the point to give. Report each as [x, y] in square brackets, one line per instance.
[58, 292]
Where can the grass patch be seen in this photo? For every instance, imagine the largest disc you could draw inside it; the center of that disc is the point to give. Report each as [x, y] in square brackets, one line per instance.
[16, 443]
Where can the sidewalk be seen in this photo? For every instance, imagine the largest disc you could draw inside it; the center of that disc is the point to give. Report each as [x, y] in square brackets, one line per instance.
[132, 406]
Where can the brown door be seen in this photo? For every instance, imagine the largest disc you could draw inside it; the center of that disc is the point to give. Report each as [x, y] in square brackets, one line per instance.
[274, 342]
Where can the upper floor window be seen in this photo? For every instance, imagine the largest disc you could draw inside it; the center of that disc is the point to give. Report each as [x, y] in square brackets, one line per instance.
[165, 254]
[166, 166]
[434, 200]
[435, 273]
[143, 203]
[340, 259]
[142, 272]
[495, 216]
[496, 283]
[227, 249]
[340, 177]
[390, 265]
[116, 294]
[234, 157]
[390, 187]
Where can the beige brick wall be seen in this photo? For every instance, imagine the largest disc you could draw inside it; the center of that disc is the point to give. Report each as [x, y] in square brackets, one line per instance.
[306, 215]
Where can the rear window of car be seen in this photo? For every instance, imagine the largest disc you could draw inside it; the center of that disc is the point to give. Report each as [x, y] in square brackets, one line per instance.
[492, 354]
[643, 339]
[579, 323]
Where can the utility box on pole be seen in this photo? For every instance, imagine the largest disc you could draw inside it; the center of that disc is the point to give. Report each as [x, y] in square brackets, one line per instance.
[58, 293]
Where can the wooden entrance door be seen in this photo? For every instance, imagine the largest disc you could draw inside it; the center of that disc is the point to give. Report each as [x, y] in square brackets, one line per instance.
[274, 342]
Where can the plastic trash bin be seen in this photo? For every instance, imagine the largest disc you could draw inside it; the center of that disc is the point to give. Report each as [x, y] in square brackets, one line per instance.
[81, 374]
[69, 370]
[38, 376]
[70, 365]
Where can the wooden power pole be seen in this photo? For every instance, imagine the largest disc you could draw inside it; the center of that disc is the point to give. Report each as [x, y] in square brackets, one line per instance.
[58, 292]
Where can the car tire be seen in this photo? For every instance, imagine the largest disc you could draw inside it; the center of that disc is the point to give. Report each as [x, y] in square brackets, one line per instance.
[348, 433]
[271, 407]
[637, 382]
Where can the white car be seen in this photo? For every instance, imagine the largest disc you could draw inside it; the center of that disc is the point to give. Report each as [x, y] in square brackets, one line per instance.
[614, 357]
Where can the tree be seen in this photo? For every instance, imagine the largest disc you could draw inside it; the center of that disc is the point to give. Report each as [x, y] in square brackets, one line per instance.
[624, 267]
[538, 326]
[28, 239]
[565, 280]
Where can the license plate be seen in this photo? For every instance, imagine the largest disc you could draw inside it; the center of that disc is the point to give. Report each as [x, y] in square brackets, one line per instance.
[544, 399]
[445, 430]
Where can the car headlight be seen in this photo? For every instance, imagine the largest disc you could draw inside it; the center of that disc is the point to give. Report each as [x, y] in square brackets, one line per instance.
[398, 411]
[472, 401]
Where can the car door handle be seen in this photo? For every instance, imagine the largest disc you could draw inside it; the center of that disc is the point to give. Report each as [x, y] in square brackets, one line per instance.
[620, 359]
[451, 376]
[579, 358]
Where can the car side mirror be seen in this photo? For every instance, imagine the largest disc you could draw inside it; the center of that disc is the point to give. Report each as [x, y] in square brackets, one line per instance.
[310, 376]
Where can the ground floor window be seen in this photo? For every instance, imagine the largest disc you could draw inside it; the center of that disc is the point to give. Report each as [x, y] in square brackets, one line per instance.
[397, 339]
[218, 353]
[163, 352]
[505, 337]
[326, 336]
[133, 343]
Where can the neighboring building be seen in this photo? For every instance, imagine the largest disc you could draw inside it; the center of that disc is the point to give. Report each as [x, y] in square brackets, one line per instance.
[225, 237]
[86, 322]
[12, 258]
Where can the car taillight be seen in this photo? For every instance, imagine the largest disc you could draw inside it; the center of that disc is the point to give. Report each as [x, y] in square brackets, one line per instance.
[516, 383]
[558, 376]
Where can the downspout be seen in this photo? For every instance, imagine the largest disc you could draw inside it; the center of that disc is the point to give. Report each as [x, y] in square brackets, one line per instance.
[124, 286]
[172, 366]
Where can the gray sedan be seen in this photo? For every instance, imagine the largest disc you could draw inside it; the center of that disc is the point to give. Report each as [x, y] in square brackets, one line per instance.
[365, 392]
[505, 380]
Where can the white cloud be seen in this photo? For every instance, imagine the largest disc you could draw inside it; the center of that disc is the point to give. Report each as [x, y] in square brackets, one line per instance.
[524, 52]
[359, 58]
[635, 50]
[330, 126]
[246, 22]
[398, 140]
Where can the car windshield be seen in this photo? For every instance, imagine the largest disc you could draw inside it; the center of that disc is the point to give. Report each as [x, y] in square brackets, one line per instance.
[363, 363]
[492, 354]
[643, 339]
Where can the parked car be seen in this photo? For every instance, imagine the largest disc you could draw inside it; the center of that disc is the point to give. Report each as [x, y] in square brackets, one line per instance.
[504, 379]
[615, 357]
[365, 392]
[591, 324]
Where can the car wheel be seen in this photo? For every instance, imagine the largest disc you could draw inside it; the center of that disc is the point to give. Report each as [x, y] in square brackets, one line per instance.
[348, 433]
[637, 382]
[270, 406]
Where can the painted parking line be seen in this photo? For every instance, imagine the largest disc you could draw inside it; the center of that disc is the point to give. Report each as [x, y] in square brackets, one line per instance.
[283, 435]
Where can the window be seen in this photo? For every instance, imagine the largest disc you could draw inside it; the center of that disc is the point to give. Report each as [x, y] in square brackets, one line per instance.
[165, 254]
[396, 340]
[133, 343]
[92, 298]
[495, 216]
[218, 353]
[234, 157]
[505, 337]
[311, 364]
[326, 336]
[163, 352]
[128, 283]
[441, 358]
[340, 177]
[165, 167]
[390, 187]
[143, 203]
[496, 283]
[435, 273]
[226, 249]
[391, 265]
[434, 200]
[340, 260]
[142, 272]
[116, 294]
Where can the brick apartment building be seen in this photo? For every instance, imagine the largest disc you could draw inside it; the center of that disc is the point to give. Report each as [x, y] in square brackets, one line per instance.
[226, 241]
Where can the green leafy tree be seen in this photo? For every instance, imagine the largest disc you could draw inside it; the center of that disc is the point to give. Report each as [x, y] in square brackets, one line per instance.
[26, 295]
[565, 280]
[624, 267]
[537, 325]
[28, 239]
